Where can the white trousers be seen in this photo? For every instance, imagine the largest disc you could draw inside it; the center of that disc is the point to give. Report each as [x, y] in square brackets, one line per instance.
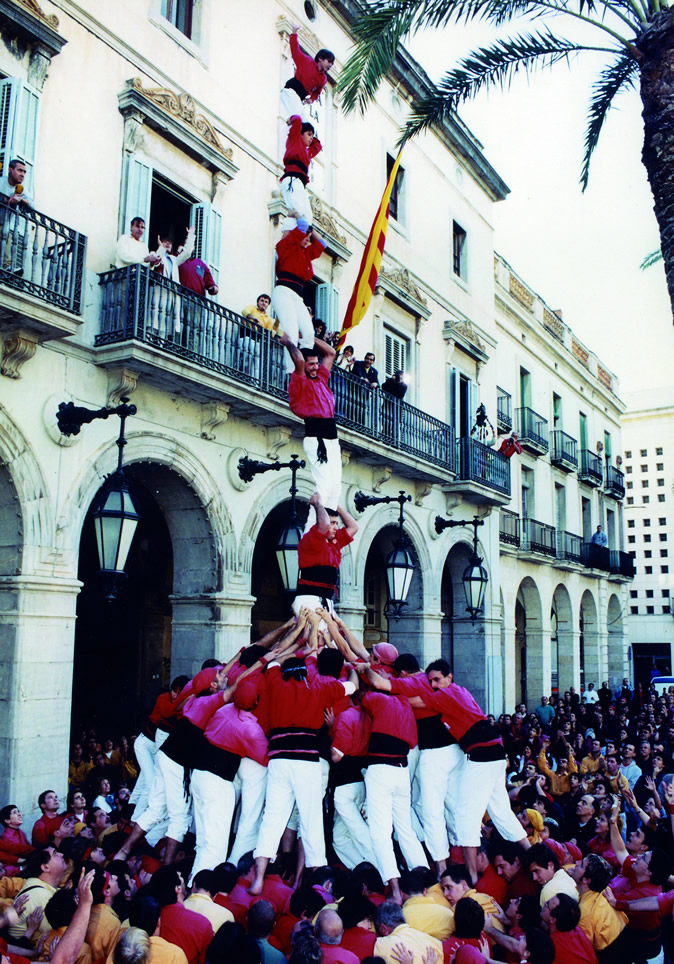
[294, 318]
[253, 778]
[296, 199]
[291, 104]
[327, 476]
[388, 808]
[145, 750]
[433, 775]
[412, 766]
[351, 834]
[289, 782]
[168, 798]
[214, 801]
[480, 787]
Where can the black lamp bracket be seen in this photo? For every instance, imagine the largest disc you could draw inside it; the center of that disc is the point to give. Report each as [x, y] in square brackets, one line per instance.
[362, 501]
[71, 418]
[442, 524]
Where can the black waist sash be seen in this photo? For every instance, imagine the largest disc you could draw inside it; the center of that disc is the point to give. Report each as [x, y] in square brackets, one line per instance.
[320, 427]
[482, 743]
[181, 744]
[294, 743]
[223, 763]
[348, 770]
[432, 733]
[299, 88]
[387, 749]
[285, 279]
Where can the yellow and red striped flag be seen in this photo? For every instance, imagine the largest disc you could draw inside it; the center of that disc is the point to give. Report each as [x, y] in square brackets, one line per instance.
[370, 263]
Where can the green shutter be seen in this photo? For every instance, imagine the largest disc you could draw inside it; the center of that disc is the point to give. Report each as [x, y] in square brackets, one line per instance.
[136, 196]
[19, 114]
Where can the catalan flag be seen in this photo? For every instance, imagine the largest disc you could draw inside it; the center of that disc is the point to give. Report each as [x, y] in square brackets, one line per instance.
[370, 263]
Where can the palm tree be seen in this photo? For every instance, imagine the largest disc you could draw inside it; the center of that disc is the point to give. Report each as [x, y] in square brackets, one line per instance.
[636, 38]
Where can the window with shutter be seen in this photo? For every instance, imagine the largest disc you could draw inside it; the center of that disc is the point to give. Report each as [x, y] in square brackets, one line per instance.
[396, 352]
[19, 115]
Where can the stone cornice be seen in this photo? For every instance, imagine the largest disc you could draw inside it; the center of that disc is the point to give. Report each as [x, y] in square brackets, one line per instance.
[175, 115]
[402, 287]
[27, 20]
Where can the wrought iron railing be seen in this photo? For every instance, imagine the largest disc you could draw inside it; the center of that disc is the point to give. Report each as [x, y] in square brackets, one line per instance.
[538, 537]
[621, 563]
[504, 412]
[590, 468]
[569, 546]
[481, 463]
[532, 429]
[42, 257]
[596, 557]
[509, 528]
[564, 452]
[615, 482]
[138, 304]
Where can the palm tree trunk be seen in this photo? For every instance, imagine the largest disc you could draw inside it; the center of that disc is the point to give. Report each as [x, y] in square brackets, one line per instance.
[657, 95]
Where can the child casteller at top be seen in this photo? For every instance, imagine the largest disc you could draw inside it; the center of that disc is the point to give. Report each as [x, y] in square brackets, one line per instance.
[310, 78]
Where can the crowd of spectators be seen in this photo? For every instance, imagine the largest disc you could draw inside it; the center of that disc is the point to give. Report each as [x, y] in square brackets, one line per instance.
[589, 777]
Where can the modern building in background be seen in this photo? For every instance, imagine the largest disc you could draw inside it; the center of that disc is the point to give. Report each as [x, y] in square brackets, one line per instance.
[648, 440]
[170, 111]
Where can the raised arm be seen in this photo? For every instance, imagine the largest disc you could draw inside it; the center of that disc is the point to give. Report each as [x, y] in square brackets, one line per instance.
[354, 643]
[617, 842]
[322, 517]
[295, 353]
[70, 945]
[329, 353]
[350, 523]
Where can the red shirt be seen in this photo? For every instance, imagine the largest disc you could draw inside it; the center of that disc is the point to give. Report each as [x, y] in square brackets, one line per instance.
[629, 888]
[190, 931]
[392, 719]
[316, 550]
[337, 954]
[573, 947]
[237, 901]
[311, 397]
[490, 883]
[195, 275]
[282, 933]
[297, 155]
[306, 70]
[45, 828]
[351, 732]
[199, 709]
[359, 941]
[237, 731]
[276, 891]
[295, 704]
[13, 845]
[293, 262]
[520, 885]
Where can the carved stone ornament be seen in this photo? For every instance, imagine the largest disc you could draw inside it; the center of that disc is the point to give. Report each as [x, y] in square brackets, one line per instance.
[213, 414]
[466, 329]
[403, 279]
[122, 383]
[17, 349]
[380, 474]
[277, 437]
[183, 107]
[323, 220]
[463, 333]
[422, 488]
[33, 7]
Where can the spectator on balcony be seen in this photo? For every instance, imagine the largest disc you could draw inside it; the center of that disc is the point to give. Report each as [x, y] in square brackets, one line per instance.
[130, 248]
[346, 359]
[257, 313]
[396, 385]
[599, 538]
[319, 328]
[196, 275]
[169, 263]
[11, 185]
[365, 369]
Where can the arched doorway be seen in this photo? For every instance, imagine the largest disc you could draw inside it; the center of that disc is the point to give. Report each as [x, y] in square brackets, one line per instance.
[272, 603]
[532, 673]
[165, 620]
[466, 635]
[403, 633]
[447, 607]
[589, 653]
[617, 656]
[123, 648]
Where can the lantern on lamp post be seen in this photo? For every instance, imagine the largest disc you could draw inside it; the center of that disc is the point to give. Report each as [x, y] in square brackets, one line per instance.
[475, 576]
[399, 563]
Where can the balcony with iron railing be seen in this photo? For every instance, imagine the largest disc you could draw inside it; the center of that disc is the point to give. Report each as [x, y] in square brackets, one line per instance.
[177, 338]
[509, 528]
[538, 537]
[614, 484]
[564, 451]
[42, 266]
[532, 430]
[482, 473]
[504, 413]
[569, 546]
[590, 470]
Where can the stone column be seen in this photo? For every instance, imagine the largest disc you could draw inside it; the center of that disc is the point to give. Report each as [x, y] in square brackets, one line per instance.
[538, 662]
[37, 632]
[470, 663]
[568, 655]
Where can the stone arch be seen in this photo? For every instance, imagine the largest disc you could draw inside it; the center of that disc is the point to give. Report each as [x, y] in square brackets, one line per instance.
[26, 515]
[565, 662]
[617, 649]
[469, 655]
[200, 529]
[272, 495]
[532, 674]
[591, 662]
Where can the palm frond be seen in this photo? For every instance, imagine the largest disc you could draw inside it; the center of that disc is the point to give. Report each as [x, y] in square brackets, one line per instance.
[653, 258]
[492, 66]
[621, 73]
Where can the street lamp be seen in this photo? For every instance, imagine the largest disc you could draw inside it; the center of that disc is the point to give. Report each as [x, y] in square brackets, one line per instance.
[399, 562]
[289, 539]
[475, 576]
[114, 511]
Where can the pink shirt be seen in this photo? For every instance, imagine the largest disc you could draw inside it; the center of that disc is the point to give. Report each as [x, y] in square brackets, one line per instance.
[199, 709]
[311, 397]
[238, 731]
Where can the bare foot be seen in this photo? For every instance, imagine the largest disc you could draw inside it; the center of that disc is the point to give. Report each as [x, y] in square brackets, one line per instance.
[255, 889]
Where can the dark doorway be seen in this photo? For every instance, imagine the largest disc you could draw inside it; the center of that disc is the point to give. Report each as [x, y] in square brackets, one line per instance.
[272, 602]
[123, 648]
[447, 606]
[170, 213]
